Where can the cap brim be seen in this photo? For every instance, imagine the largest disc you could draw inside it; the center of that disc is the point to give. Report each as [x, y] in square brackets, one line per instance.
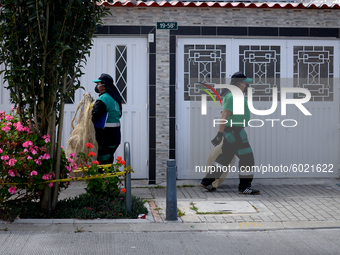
[248, 80]
[97, 80]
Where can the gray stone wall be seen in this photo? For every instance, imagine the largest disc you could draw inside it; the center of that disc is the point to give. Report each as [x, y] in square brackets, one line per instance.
[162, 103]
[191, 16]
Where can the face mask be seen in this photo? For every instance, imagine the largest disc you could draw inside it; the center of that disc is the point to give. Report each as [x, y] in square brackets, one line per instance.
[96, 89]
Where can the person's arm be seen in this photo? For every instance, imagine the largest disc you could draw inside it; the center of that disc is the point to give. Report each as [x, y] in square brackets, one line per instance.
[99, 109]
[218, 138]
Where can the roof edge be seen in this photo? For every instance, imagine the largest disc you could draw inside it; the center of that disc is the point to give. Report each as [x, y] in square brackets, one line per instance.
[276, 5]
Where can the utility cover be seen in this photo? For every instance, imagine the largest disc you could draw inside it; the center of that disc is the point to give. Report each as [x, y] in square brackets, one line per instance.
[225, 206]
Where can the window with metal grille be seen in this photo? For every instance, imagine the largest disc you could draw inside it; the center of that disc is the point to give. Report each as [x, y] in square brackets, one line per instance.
[121, 71]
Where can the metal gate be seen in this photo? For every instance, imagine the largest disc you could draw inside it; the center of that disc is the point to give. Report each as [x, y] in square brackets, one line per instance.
[310, 149]
[125, 59]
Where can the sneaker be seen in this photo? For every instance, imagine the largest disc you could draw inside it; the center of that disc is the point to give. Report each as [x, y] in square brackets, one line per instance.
[249, 191]
[208, 187]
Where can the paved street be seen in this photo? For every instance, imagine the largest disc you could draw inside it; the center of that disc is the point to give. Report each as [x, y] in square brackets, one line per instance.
[290, 242]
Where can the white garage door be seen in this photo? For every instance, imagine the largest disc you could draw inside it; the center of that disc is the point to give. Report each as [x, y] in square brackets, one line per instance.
[125, 59]
[308, 150]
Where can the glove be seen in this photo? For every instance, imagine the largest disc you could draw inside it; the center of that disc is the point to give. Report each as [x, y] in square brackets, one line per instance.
[217, 139]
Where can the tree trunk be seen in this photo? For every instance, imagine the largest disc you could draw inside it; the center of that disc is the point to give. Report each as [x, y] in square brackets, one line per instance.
[45, 200]
[60, 132]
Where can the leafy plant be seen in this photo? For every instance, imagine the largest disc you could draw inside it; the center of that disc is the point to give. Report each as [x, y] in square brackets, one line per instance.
[24, 160]
[43, 47]
[101, 187]
[180, 213]
[84, 206]
[193, 207]
[78, 230]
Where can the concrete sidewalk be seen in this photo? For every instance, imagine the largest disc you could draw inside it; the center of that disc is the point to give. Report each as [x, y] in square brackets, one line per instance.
[282, 204]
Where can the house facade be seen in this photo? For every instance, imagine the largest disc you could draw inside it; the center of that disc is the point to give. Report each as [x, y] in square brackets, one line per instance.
[159, 53]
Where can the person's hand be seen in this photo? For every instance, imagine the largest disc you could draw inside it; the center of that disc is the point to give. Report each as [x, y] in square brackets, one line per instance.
[217, 139]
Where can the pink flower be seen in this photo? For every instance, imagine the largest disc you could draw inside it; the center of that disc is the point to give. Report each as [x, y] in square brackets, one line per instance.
[27, 144]
[8, 117]
[27, 129]
[29, 157]
[2, 115]
[46, 138]
[72, 155]
[46, 177]
[6, 157]
[11, 190]
[6, 129]
[20, 129]
[34, 173]
[74, 166]
[33, 151]
[1, 151]
[70, 160]
[18, 126]
[11, 173]
[14, 108]
[50, 184]
[38, 161]
[45, 156]
[12, 161]
[68, 168]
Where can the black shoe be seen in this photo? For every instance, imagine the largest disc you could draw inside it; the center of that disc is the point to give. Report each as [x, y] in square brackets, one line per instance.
[208, 187]
[249, 191]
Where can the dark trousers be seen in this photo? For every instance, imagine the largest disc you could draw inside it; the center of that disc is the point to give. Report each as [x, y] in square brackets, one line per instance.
[235, 142]
[108, 140]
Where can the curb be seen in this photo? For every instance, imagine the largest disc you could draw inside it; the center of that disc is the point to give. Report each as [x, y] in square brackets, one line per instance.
[166, 226]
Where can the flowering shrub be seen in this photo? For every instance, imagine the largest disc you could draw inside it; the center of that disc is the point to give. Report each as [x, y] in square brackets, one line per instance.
[24, 160]
[104, 187]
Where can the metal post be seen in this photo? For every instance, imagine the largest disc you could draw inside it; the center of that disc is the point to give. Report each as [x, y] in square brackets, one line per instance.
[171, 192]
[128, 176]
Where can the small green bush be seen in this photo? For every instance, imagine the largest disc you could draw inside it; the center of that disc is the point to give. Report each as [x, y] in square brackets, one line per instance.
[83, 206]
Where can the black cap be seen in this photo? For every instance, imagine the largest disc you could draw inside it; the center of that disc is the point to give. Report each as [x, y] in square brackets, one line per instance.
[104, 79]
[238, 77]
[107, 80]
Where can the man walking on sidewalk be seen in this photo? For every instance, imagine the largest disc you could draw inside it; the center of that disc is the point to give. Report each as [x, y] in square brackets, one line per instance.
[235, 141]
